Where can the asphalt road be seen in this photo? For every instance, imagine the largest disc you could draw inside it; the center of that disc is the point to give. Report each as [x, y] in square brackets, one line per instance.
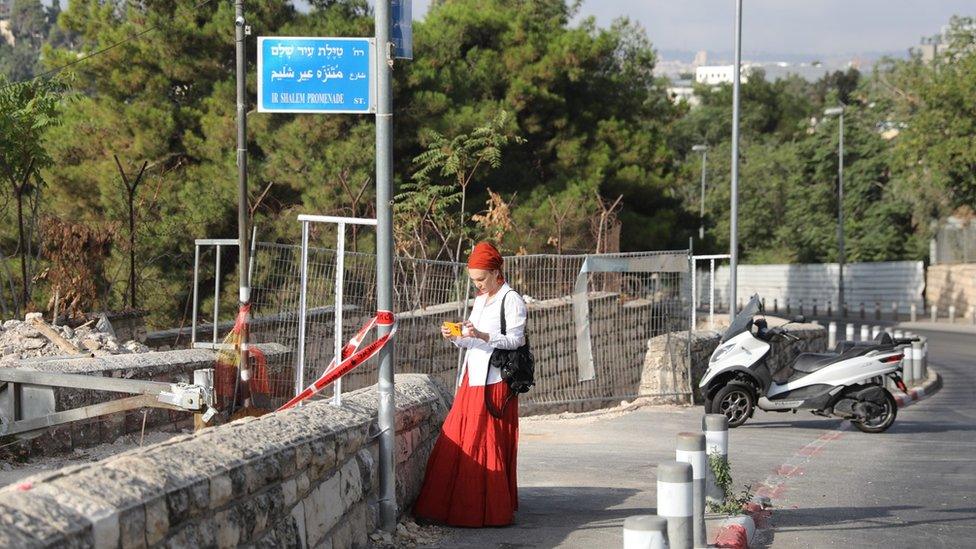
[831, 485]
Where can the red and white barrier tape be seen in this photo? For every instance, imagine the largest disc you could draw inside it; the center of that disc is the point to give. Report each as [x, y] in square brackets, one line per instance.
[352, 356]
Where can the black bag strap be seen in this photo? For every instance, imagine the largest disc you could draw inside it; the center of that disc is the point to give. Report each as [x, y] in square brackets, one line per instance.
[495, 412]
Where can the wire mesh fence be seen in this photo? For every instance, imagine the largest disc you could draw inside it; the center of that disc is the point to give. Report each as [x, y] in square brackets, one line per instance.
[627, 309]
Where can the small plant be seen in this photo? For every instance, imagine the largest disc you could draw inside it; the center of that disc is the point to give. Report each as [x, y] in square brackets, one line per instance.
[723, 478]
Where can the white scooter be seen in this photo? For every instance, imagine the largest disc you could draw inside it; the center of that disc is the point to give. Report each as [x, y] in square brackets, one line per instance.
[847, 383]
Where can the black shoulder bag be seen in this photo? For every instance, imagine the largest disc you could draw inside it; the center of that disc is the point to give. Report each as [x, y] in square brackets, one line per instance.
[517, 368]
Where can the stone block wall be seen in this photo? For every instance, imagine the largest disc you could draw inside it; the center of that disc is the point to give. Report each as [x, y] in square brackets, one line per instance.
[664, 378]
[952, 284]
[306, 477]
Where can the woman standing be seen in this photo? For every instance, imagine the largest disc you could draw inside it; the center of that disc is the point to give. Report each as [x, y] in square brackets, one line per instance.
[470, 477]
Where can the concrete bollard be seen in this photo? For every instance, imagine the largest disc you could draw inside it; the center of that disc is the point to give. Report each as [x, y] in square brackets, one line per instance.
[690, 449]
[865, 332]
[894, 311]
[934, 310]
[952, 314]
[674, 502]
[917, 353]
[831, 335]
[716, 428]
[908, 368]
[849, 332]
[645, 532]
[923, 365]
[914, 312]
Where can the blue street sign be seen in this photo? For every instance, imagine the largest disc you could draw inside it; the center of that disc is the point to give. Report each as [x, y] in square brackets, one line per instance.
[401, 28]
[316, 75]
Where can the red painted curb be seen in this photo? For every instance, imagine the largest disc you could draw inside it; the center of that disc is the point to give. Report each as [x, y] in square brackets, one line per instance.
[732, 536]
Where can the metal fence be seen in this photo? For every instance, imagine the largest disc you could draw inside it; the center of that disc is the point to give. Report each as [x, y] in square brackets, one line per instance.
[626, 310]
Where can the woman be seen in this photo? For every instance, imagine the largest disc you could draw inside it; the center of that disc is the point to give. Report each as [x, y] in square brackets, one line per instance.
[470, 477]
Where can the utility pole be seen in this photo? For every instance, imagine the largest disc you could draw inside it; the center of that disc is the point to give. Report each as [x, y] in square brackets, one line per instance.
[384, 261]
[841, 255]
[703, 149]
[242, 210]
[734, 229]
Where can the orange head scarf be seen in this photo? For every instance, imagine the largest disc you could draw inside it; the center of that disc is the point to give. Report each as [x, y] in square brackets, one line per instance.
[485, 257]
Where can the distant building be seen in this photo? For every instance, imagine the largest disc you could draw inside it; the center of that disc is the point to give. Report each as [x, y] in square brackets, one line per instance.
[683, 91]
[713, 75]
[701, 58]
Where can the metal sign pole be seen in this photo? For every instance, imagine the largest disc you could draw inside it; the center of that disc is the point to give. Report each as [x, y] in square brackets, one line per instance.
[302, 311]
[384, 261]
[244, 288]
[337, 314]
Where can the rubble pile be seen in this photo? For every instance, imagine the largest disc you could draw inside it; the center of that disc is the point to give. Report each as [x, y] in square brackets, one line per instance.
[32, 338]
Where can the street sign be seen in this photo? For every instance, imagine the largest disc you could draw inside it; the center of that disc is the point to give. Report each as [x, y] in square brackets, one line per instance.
[316, 75]
[401, 28]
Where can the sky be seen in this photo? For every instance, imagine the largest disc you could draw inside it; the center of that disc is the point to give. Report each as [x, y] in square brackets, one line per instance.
[814, 28]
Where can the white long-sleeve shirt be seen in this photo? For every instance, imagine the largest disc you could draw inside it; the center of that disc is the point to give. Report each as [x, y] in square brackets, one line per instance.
[486, 317]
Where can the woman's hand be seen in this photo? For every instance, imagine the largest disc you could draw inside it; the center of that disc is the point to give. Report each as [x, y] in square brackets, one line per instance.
[468, 330]
[446, 334]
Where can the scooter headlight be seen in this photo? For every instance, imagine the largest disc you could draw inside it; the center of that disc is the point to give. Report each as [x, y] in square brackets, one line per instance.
[721, 351]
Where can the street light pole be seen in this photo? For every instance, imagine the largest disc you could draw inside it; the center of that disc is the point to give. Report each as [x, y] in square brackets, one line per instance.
[734, 229]
[839, 112]
[703, 149]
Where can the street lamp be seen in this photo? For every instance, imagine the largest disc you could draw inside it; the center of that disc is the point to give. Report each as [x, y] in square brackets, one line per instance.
[734, 211]
[839, 113]
[703, 149]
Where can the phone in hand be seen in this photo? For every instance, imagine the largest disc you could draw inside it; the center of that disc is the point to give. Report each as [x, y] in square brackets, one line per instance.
[454, 328]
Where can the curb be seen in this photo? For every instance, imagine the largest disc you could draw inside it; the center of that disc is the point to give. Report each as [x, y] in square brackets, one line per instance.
[915, 394]
[736, 532]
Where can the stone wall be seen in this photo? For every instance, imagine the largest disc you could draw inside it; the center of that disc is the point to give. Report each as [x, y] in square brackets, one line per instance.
[166, 366]
[664, 378]
[953, 284]
[306, 477]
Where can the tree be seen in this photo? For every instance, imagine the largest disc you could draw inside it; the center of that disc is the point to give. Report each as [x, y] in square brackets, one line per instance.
[27, 111]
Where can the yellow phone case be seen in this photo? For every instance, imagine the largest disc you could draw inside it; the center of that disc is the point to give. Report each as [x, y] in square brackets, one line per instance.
[454, 328]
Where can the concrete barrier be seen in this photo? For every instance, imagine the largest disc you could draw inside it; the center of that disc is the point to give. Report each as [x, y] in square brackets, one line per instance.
[716, 429]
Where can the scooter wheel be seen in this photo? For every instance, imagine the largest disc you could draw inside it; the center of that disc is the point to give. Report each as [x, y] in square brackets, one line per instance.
[881, 423]
[735, 401]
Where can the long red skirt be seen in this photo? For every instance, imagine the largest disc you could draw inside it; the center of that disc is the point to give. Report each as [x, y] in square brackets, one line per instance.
[470, 477]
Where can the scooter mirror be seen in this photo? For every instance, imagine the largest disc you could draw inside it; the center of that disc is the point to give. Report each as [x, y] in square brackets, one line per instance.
[799, 319]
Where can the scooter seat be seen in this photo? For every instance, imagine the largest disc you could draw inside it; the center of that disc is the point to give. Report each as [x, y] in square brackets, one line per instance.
[811, 362]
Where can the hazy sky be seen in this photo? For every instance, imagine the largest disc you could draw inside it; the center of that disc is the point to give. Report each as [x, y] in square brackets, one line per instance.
[815, 27]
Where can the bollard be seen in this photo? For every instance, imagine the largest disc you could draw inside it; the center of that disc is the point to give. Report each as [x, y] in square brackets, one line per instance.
[935, 312]
[908, 368]
[645, 532]
[831, 335]
[849, 332]
[716, 428]
[914, 312]
[917, 360]
[690, 449]
[923, 365]
[775, 305]
[894, 311]
[877, 310]
[674, 494]
[875, 331]
[865, 332]
[952, 314]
